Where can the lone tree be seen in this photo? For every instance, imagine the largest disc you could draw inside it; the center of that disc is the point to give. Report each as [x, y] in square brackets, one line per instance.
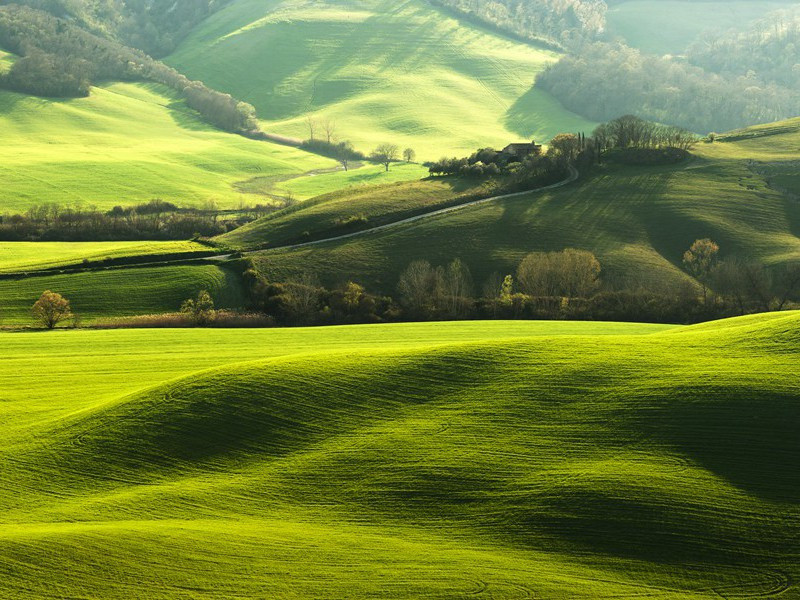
[201, 309]
[344, 153]
[50, 309]
[700, 261]
[329, 127]
[409, 155]
[386, 154]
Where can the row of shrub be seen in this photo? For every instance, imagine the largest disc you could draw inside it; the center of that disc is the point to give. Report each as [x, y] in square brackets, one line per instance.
[154, 220]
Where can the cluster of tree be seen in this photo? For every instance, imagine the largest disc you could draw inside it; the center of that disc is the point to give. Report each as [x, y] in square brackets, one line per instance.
[155, 26]
[155, 220]
[560, 23]
[521, 170]
[602, 81]
[546, 285]
[61, 59]
[768, 52]
[632, 132]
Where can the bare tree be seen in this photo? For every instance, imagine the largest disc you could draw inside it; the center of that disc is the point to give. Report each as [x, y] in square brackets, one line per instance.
[50, 309]
[386, 154]
[311, 123]
[571, 273]
[303, 297]
[416, 286]
[329, 127]
[409, 155]
[457, 288]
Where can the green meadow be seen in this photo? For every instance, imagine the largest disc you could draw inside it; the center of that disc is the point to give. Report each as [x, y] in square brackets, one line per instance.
[438, 460]
[382, 71]
[119, 292]
[19, 257]
[637, 220]
[669, 26]
[128, 143]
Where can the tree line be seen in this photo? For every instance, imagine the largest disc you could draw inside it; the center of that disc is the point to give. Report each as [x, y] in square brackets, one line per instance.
[605, 80]
[154, 220]
[567, 284]
[155, 26]
[59, 59]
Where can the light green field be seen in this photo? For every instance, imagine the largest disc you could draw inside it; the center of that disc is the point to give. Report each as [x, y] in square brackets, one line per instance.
[311, 186]
[455, 460]
[34, 256]
[669, 26]
[121, 291]
[637, 220]
[383, 71]
[128, 143]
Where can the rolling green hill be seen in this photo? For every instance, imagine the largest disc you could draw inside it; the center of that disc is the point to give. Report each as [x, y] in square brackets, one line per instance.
[341, 212]
[383, 71]
[128, 143]
[121, 291]
[637, 220]
[522, 460]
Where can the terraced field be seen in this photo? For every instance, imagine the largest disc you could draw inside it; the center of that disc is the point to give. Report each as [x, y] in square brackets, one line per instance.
[128, 143]
[496, 460]
[382, 71]
[637, 220]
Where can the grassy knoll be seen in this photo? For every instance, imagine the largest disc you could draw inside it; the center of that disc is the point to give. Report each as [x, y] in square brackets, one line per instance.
[383, 71]
[124, 144]
[422, 460]
[18, 257]
[637, 220]
[121, 291]
[351, 210]
[669, 26]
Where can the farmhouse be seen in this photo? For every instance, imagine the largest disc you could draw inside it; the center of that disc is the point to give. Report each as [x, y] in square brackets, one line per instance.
[520, 151]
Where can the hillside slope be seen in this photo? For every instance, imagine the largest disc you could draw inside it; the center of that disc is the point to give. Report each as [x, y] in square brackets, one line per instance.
[637, 220]
[383, 71]
[128, 143]
[577, 466]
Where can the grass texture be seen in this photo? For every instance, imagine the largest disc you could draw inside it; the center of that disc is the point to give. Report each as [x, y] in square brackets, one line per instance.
[124, 144]
[454, 460]
[402, 72]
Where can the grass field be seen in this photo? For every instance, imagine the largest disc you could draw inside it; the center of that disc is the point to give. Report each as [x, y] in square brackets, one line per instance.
[18, 257]
[6, 60]
[350, 210]
[128, 143]
[637, 220]
[121, 291]
[454, 460]
[669, 26]
[383, 71]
